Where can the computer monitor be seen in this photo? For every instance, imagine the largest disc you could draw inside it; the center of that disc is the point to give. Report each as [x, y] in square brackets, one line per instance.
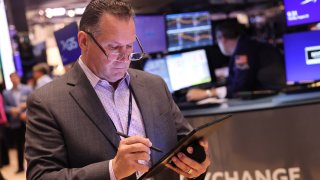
[302, 56]
[300, 12]
[188, 30]
[181, 70]
[158, 66]
[150, 30]
[188, 69]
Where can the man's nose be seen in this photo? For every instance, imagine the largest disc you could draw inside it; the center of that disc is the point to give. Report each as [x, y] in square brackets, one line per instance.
[124, 55]
[122, 50]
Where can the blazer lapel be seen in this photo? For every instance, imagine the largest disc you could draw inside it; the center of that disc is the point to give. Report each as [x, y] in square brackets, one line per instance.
[144, 102]
[86, 97]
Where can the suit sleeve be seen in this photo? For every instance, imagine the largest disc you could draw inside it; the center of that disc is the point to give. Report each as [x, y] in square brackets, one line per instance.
[45, 148]
[182, 125]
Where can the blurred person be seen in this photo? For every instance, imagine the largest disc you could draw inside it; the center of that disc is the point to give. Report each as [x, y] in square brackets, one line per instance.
[15, 108]
[73, 121]
[3, 123]
[41, 74]
[253, 65]
[31, 83]
[68, 67]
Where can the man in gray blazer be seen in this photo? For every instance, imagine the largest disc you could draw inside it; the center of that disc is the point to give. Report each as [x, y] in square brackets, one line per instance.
[73, 121]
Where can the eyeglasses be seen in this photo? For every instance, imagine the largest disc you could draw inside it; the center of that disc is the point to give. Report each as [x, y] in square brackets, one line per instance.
[117, 56]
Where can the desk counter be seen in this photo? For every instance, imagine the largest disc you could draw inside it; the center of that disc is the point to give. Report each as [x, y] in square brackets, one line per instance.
[273, 138]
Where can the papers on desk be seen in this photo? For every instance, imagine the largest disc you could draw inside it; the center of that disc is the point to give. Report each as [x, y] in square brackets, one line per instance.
[212, 100]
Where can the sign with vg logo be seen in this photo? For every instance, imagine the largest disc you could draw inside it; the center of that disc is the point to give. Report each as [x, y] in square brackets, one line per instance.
[67, 41]
[69, 44]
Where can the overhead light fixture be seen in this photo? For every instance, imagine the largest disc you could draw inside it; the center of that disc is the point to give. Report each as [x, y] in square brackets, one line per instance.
[53, 12]
[79, 11]
[57, 12]
[41, 12]
[71, 13]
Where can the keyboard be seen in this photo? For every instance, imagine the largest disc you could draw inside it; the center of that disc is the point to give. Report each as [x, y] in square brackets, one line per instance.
[194, 105]
[247, 95]
[300, 89]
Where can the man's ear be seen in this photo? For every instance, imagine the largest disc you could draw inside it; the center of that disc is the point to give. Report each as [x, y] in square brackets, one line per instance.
[83, 40]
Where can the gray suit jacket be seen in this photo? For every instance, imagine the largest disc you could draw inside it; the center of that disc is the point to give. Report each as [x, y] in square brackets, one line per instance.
[70, 136]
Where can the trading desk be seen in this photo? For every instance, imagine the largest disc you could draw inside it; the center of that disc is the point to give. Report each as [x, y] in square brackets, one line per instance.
[272, 138]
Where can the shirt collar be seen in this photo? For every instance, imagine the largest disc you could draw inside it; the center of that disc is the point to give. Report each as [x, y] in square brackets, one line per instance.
[95, 80]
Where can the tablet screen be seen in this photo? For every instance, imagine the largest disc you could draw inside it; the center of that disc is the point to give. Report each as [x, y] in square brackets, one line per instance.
[197, 133]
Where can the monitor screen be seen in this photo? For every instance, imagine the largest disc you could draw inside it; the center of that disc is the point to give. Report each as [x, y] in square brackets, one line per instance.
[181, 70]
[158, 67]
[150, 30]
[188, 69]
[188, 30]
[302, 56]
[301, 11]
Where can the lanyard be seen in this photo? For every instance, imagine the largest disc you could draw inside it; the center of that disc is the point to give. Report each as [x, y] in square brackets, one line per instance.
[129, 110]
[129, 107]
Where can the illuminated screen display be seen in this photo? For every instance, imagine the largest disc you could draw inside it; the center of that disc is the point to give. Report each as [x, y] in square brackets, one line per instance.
[151, 33]
[158, 67]
[302, 11]
[181, 70]
[188, 30]
[6, 55]
[302, 56]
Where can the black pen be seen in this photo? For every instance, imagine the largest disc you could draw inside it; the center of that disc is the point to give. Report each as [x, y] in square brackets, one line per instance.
[126, 136]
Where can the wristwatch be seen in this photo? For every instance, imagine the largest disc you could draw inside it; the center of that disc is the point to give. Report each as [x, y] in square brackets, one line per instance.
[209, 93]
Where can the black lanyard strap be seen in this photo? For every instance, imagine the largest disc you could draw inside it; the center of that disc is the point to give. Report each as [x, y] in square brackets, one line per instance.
[129, 111]
[129, 107]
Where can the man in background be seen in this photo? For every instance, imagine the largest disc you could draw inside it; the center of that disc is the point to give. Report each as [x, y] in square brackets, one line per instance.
[253, 65]
[73, 121]
[15, 108]
[41, 74]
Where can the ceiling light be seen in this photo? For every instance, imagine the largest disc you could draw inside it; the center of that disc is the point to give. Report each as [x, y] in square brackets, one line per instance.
[51, 12]
[41, 12]
[71, 13]
[79, 11]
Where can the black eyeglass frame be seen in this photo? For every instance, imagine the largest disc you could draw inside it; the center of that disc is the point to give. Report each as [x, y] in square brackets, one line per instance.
[141, 55]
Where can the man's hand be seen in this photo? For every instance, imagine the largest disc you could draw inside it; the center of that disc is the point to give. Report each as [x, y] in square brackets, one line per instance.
[23, 106]
[129, 152]
[188, 167]
[196, 94]
[23, 117]
[14, 111]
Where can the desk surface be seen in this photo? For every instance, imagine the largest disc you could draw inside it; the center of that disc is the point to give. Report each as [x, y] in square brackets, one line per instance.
[236, 105]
